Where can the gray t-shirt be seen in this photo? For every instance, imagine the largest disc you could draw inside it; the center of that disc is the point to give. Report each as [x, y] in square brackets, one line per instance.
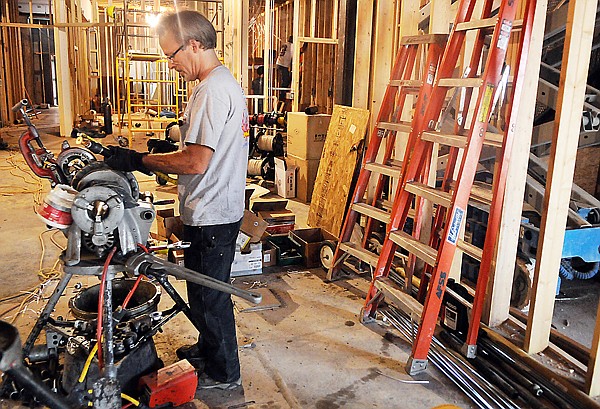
[216, 116]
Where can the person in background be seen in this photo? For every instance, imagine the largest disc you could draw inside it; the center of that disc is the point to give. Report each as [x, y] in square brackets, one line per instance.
[211, 163]
[258, 87]
[284, 65]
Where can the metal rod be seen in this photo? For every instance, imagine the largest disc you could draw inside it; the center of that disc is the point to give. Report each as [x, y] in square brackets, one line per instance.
[477, 388]
[447, 368]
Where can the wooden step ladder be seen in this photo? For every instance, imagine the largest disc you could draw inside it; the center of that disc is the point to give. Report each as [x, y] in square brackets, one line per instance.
[453, 197]
[402, 83]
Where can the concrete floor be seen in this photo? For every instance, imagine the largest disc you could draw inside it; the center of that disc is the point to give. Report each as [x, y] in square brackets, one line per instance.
[311, 352]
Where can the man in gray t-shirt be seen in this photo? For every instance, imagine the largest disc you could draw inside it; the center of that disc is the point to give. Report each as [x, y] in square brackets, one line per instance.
[211, 164]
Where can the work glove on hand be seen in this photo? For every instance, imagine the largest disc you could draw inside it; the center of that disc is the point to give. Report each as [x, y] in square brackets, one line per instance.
[126, 160]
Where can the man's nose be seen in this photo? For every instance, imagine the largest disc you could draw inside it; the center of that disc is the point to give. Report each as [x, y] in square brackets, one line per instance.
[171, 64]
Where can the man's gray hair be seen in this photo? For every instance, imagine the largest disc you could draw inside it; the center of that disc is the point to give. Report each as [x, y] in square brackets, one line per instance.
[188, 25]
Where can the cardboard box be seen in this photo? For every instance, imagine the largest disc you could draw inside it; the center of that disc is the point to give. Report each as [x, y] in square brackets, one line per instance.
[253, 226]
[288, 252]
[176, 257]
[310, 241]
[306, 134]
[269, 254]
[274, 211]
[247, 264]
[305, 176]
[285, 179]
[167, 223]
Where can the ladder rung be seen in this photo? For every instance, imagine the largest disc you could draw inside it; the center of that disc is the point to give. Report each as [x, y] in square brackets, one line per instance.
[461, 82]
[372, 211]
[360, 253]
[406, 83]
[390, 171]
[424, 39]
[485, 23]
[494, 139]
[395, 126]
[482, 192]
[430, 193]
[399, 298]
[460, 141]
[388, 204]
[470, 249]
[477, 24]
[414, 246]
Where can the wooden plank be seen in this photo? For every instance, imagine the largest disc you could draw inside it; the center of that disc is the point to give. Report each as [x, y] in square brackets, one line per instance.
[576, 58]
[63, 74]
[362, 54]
[497, 305]
[338, 162]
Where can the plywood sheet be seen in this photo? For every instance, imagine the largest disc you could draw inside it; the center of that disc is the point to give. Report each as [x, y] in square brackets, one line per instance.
[338, 162]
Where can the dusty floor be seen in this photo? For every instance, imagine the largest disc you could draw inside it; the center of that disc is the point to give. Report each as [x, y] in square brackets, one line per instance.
[311, 352]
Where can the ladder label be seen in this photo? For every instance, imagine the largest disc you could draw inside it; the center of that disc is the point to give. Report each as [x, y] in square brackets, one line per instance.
[504, 34]
[454, 229]
[486, 103]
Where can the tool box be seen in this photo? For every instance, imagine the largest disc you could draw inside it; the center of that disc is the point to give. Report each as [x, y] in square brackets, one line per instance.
[288, 252]
[172, 385]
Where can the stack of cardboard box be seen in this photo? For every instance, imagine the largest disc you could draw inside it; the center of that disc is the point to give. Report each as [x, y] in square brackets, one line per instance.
[305, 140]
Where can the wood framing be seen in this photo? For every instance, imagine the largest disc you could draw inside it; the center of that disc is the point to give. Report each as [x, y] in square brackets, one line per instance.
[497, 305]
[576, 58]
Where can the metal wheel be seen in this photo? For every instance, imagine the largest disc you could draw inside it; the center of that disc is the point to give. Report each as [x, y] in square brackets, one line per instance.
[326, 254]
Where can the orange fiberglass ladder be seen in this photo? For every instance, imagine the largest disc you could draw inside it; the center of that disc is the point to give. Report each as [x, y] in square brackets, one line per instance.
[389, 123]
[452, 199]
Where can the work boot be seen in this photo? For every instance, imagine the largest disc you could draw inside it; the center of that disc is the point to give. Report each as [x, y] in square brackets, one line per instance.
[192, 354]
[206, 382]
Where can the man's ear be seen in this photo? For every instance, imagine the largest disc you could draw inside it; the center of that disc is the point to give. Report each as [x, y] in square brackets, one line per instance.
[196, 46]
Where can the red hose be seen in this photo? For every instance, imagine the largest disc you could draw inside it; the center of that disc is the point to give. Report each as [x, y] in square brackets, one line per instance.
[137, 282]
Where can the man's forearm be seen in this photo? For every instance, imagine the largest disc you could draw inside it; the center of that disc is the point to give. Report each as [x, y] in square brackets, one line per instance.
[191, 160]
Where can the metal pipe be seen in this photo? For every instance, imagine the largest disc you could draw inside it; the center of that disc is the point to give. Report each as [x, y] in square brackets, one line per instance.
[141, 262]
[560, 398]
[474, 386]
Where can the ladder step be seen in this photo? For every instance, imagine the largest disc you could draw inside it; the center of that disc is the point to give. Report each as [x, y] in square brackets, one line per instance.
[399, 298]
[401, 126]
[482, 192]
[406, 83]
[430, 193]
[372, 211]
[477, 24]
[485, 23]
[414, 246]
[460, 141]
[470, 249]
[388, 204]
[461, 82]
[360, 253]
[390, 171]
[424, 39]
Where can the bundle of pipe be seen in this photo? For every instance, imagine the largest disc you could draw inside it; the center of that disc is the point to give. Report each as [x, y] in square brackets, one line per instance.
[500, 356]
[478, 389]
[496, 378]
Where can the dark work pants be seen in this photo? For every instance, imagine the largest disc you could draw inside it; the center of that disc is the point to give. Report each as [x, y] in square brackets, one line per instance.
[211, 253]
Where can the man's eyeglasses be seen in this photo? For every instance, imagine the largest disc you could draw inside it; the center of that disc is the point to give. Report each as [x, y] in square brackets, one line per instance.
[172, 56]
